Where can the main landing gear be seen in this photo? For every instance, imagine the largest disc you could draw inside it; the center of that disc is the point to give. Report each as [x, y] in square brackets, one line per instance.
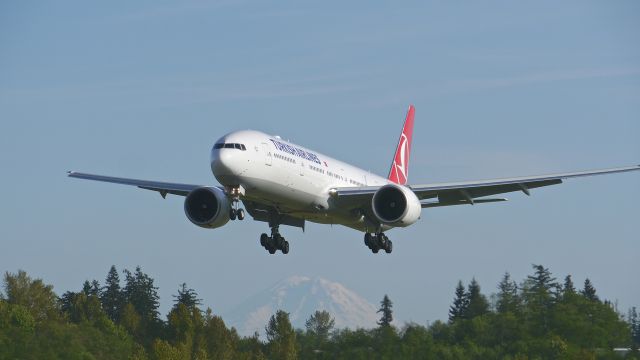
[377, 242]
[274, 242]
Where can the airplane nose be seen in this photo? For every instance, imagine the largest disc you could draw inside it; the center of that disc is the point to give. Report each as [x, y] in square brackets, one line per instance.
[221, 161]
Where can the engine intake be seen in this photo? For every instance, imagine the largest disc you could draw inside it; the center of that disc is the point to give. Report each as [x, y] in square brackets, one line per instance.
[396, 205]
[207, 207]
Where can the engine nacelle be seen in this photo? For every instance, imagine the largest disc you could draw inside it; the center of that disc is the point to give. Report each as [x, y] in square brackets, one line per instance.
[396, 205]
[207, 207]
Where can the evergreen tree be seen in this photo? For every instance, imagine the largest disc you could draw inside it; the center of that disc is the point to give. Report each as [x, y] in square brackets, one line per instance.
[589, 291]
[634, 325]
[387, 313]
[568, 289]
[460, 304]
[95, 288]
[142, 294]
[543, 283]
[111, 296]
[91, 288]
[541, 289]
[86, 287]
[540, 294]
[507, 298]
[477, 304]
[187, 297]
[281, 336]
[67, 300]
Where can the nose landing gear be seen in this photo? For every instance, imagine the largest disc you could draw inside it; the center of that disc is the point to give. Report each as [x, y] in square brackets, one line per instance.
[236, 214]
[274, 242]
[378, 242]
[234, 193]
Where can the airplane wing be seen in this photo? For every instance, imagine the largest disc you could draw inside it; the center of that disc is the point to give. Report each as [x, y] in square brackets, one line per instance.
[163, 188]
[467, 192]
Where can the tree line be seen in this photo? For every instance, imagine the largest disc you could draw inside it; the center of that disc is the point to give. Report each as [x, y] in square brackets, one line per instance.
[538, 318]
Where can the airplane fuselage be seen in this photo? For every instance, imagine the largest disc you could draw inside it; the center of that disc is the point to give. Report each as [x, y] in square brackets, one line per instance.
[289, 177]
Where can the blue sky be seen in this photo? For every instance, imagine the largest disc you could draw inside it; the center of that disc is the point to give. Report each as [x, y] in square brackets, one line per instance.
[143, 89]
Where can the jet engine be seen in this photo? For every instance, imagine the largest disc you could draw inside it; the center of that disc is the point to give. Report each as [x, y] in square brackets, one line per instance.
[207, 207]
[396, 205]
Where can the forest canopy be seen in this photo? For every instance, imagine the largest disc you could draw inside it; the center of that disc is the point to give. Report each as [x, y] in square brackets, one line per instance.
[537, 318]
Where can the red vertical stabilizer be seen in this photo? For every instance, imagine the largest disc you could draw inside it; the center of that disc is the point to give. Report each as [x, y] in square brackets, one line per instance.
[399, 172]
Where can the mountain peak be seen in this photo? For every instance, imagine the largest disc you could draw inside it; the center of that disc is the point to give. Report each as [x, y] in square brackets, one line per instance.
[301, 296]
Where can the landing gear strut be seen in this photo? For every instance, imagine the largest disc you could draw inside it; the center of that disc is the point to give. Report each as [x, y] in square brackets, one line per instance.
[235, 212]
[378, 242]
[275, 241]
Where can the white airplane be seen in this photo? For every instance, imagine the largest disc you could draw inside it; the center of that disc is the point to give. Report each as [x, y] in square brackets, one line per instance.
[286, 184]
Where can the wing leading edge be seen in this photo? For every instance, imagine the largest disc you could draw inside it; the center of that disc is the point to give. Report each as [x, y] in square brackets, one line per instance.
[163, 188]
[459, 193]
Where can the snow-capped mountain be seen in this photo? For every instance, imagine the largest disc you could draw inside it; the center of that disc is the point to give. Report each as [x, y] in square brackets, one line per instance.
[301, 296]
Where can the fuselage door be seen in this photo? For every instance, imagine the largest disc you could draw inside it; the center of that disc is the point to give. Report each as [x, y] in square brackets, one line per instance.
[268, 157]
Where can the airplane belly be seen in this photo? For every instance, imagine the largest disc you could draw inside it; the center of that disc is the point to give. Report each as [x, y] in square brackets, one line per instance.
[278, 192]
[295, 188]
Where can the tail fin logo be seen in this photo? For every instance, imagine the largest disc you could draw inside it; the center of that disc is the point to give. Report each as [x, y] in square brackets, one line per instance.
[402, 160]
[399, 172]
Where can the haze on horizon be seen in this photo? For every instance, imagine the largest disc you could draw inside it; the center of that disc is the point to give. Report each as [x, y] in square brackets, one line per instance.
[143, 90]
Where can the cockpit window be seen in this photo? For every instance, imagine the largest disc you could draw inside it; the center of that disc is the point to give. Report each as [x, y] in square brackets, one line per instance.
[230, 146]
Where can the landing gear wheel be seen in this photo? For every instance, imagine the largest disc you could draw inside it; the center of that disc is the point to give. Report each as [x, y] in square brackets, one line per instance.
[281, 244]
[264, 240]
[389, 247]
[278, 241]
[240, 213]
[232, 214]
[377, 242]
[271, 243]
[367, 240]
